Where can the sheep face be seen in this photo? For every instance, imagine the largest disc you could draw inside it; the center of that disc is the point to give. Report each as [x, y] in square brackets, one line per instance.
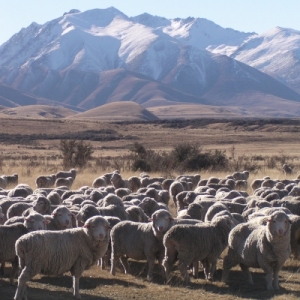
[40, 204]
[162, 220]
[35, 222]
[63, 217]
[279, 224]
[97, 227]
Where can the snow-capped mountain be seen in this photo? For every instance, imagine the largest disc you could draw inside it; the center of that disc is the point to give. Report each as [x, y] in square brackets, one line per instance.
[90, 58]
[276, 52]
[197, 32]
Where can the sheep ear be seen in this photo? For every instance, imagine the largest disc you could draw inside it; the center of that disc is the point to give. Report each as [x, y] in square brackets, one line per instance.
[171, 219]
[290, 221]
[47, 222]
[269, 220]
[86, 226]
[150, 220]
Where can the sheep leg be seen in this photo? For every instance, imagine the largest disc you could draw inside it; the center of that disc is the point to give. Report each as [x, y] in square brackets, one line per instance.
[275, 282]
[228, 263]
[113, 262]
[169, 259]
[205, 265]
[22, 287]
[212, 270]
[247, 272]
[195, 268]
[76, 293]
[14, 270]
[151, 263]
[124, 261]
[183, 271]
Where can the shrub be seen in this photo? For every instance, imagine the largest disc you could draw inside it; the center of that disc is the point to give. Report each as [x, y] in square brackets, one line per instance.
[75, 154]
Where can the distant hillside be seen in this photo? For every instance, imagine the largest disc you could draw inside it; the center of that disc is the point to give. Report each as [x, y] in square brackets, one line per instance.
[38, 112]
[118, 111]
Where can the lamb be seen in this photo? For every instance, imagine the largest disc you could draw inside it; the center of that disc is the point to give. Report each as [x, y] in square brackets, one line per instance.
[66, 174]
[192, 243]
[21, 190]
[145, 181]
[60, 219]
[57, 252]
[258, 246]
[214, 209]
[45, 181]
[140, 241]
[9, 235]
[64, 182]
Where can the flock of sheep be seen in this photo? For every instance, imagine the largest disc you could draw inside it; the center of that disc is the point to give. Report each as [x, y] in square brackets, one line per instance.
[54, 229]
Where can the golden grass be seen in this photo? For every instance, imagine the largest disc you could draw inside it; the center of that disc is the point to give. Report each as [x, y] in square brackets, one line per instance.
[42, 157]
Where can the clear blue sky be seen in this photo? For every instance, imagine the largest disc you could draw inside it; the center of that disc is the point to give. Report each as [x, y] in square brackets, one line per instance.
[243, 15]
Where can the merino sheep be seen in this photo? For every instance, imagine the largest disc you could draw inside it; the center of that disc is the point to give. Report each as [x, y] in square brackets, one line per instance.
[57, 252]
[86, 212]
[136, 214]
[99, 182]
[16, 209]
[134, 183]
[149, 206]
[140, 241]
[175, 188]
[61, 218]
[118, 182]
[45, 181]
[66, 174]
[9, 235]
[258, 246]
[193, 211]
[3, 181]
[64, 182]
[240, 175]
[192, 243]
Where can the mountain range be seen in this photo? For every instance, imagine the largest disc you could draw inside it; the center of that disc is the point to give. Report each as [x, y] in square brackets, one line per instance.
[83, 60]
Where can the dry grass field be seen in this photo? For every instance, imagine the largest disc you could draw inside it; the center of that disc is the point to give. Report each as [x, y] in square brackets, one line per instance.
[29, 147]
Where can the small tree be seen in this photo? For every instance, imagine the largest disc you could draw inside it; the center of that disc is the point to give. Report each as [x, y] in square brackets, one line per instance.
[75, 153]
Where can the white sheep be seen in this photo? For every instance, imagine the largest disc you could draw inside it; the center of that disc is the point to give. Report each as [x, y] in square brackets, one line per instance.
[258, 246]
[65, 174]
[140, 241]
[64, 182]
[57, 252]
[45, 181]
[192, 243]
[9, 235]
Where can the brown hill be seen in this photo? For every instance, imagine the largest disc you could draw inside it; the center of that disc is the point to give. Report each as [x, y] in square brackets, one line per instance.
[37, 112]
[118, 111]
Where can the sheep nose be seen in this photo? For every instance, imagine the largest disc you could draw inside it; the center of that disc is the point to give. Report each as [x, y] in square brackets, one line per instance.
[280, 231]
[160, 228]
[67, 222]
[101, 236]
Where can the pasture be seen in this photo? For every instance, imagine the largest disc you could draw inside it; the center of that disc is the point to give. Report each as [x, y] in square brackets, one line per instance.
[29, 147]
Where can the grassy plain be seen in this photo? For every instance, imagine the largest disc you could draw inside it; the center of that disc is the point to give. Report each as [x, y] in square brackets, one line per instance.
[29, 147]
